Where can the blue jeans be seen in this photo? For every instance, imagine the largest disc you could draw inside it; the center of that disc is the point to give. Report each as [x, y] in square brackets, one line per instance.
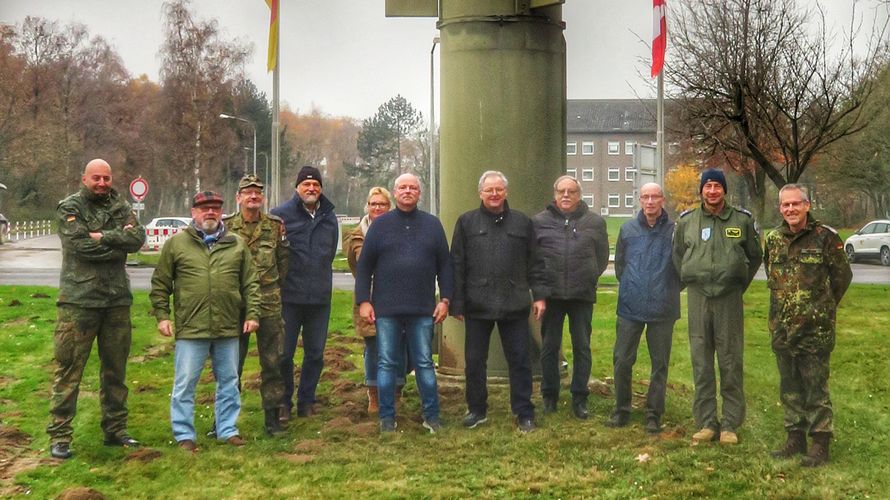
[312, 319]
[392, 334]
[372, 360]
[188, 363]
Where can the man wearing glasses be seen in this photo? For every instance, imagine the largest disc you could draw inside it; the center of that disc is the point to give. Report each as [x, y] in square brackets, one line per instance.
[575, 248]
[648, 297]
[495, 264]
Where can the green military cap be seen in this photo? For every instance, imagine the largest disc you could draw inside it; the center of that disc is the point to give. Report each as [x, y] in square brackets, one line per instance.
[250, 180]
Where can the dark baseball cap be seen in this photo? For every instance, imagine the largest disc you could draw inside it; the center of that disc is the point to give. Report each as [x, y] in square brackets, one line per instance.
[250, 180]
[207, 198]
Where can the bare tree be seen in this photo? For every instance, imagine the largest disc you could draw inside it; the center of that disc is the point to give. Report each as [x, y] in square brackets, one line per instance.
[762, 84]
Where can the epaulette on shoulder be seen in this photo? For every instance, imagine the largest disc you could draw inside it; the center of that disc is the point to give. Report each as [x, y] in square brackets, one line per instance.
[275, 218]
[229, 216]
[744, 211]
[826, 226]
[686, 212]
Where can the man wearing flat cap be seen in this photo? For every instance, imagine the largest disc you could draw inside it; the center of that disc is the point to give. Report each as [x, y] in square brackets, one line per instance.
[264, 235]
[312, 232]
[716, 251]
[216, 299]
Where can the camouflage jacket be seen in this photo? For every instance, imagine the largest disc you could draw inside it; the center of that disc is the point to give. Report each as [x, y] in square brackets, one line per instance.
[269, 249]
[716, 253]
[93, 273]
[807, 273]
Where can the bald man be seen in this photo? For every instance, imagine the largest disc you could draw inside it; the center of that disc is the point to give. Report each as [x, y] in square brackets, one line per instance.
[98, 229]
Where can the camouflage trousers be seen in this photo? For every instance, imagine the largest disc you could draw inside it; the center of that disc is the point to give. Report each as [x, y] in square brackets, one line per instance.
[270, 346]
[76, 327]
[803, 389]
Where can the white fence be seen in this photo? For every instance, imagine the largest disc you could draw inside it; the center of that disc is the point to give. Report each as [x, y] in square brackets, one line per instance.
[20, 230]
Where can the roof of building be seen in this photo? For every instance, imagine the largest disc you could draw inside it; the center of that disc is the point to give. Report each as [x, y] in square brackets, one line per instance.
[610, 115]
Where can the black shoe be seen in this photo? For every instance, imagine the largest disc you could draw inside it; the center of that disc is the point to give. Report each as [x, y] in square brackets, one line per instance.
[306, 410]
[526, 425]
[60, 450]
[579, 408]
[618, 420]
[549, 405]
[284, 414]
[653, 425]
[272, 424]
[474, 419]
[123, 440]
[388, 425]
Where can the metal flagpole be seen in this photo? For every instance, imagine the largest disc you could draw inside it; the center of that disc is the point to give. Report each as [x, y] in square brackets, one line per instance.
[659, 134]
[276, 123]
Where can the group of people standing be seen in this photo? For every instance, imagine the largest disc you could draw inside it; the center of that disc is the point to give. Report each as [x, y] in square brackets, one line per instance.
[271, 273]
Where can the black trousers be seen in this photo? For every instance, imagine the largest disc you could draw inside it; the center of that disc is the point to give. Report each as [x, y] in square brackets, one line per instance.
[515, 340]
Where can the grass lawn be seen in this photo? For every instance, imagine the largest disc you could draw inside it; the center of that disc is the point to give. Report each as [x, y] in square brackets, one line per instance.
[340, 454]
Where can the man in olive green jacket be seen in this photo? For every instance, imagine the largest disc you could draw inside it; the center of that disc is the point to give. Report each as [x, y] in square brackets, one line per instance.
[98, 229]
[264, 235]
[214, 284]
[716, 251]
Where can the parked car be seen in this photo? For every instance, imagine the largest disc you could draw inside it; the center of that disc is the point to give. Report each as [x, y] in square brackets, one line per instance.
[168, 222]
[872, 241]
[4, 228]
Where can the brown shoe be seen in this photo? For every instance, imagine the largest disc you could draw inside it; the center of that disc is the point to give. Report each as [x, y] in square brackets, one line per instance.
[704, 435]
[729, 437]
[796, 444]
[236, 440]
[373, 404]
[818, 454]
[188, 445]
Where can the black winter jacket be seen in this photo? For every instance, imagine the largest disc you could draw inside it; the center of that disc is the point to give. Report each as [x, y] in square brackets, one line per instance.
[575, 249]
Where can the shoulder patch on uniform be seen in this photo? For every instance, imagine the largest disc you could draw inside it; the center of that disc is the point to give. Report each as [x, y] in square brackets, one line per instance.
[744, 211]
[275, 217]
[684, 213]
[229, 216]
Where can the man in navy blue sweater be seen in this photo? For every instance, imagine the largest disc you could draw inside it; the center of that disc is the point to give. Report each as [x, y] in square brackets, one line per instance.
[405, 252]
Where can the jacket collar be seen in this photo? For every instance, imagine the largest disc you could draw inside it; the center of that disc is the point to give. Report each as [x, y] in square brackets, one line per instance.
[496, 217]
[723, 215]
[662, 219]
[577, 214]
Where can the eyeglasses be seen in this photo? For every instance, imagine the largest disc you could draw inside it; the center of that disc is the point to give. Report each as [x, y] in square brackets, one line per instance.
[792, 204]
[567, 192]
[496, 190]
[651, 197]
[378, 205]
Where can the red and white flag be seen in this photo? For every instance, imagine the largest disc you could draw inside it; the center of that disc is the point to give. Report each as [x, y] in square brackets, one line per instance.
[659, 35]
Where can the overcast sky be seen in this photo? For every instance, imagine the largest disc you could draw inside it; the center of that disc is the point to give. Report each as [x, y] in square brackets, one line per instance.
[346, 58]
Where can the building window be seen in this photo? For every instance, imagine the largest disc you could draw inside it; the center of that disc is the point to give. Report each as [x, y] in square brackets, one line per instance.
[571, 148]
[587, 174]
[614, 201]
[586, 148]
[573, 173]
[614, 174]
[629, 147]
[614, 147]
[630, 174]
[588, 199]
[629, 200]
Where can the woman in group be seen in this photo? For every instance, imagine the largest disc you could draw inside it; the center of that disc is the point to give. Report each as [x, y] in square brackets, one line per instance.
[379, 202]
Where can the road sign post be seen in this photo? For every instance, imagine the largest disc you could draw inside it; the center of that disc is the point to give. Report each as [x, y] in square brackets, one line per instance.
[138, 190]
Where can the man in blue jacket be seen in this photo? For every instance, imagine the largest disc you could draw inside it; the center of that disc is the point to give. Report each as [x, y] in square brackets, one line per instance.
[648, 297]
[312, 232]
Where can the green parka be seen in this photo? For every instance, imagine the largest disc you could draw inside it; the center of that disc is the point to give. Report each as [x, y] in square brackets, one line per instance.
[93, 273]
[214, 290]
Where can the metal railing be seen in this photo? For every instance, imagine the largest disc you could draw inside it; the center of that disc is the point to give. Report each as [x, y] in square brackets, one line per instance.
[20, 230]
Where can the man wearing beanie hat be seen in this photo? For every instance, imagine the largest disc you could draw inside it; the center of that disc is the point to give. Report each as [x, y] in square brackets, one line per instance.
[717, 251]
[312, 232]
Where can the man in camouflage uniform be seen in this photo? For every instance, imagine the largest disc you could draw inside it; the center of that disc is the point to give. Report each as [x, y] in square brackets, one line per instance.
[264, 235]
[716, 251]
[98, 229]
[808, 274]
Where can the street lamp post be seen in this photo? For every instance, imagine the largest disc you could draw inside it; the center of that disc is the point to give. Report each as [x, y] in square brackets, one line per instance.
[434, 198]
[253, 125]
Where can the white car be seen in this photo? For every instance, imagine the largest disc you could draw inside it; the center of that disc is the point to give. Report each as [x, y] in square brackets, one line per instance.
[168, 222]
[872, 241]
[160, 229]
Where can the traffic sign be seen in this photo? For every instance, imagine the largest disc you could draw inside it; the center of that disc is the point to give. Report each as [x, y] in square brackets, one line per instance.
[138, 206]
[139, 188]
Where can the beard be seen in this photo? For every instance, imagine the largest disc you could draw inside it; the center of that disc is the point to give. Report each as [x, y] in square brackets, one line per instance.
[209, 226]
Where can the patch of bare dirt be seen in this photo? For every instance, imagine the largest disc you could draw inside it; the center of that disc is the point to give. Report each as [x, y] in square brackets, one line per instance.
[6, 381]
[144, 455]
[16, 455]
[346, 387]
[207, 377]
[670, 433]
[80, 493]
[350, 339]
[146, 388]
[39, 295]
[338, 424]
[251, 382]
[153, 352]
[297, 459]
[15, 303]
[15, 322]
[309, 446]
[205, 399]
[600, 388]
[366, 429]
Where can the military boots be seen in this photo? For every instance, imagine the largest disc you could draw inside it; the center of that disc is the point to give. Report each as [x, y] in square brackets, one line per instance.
[273, 424]
[796, 444]
[818, 454]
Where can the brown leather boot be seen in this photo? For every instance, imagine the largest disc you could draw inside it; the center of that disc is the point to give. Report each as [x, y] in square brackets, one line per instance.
[796, 444]
[373, 404]
[818, 454]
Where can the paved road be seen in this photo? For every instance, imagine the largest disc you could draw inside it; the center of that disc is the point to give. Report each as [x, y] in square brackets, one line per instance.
[37, 261]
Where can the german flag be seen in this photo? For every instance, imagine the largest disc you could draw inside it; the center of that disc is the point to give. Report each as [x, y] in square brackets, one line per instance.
[273, 34]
